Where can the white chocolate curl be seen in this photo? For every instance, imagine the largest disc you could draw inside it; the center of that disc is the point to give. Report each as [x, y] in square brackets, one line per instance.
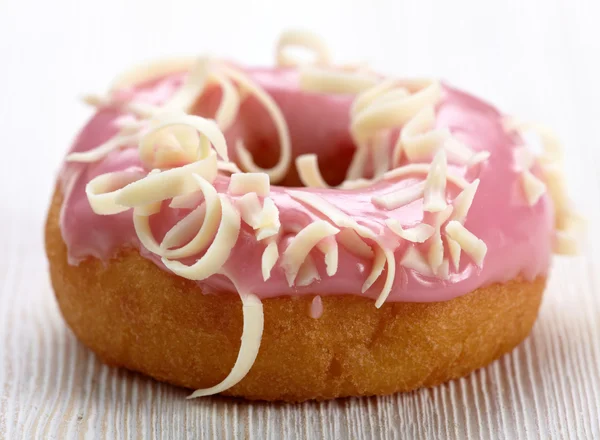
[218, 252]
[252, 331]
[569, 225]
[278, 172]
[322, 80]
[301, 245]
[188, 139]
[390, 110]
[303, 40]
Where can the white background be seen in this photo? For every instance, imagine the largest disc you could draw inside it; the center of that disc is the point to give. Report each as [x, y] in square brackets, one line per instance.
[538, 59]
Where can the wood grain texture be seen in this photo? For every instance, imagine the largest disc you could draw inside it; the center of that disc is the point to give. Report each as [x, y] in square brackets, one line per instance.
[537, 58]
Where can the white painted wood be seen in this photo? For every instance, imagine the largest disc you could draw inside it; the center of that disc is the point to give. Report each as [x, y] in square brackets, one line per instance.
[536, 58]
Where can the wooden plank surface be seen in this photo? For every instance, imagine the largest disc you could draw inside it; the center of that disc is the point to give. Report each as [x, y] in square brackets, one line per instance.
[538, 59]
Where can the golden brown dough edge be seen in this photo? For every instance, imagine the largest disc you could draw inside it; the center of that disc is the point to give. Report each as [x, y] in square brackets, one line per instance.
[134, 315]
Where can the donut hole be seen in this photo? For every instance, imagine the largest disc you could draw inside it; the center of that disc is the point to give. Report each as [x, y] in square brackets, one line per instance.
[333, 160]
[317, 124]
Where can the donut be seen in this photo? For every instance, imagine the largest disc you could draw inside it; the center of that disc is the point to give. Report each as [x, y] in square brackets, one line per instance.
[310, 230]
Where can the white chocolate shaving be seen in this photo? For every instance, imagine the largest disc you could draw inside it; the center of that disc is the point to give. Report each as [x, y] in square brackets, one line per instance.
[473, 246]
[533, 187]
[419, 140]
[357, 165]
[204, 72]
[397, 152]
[318, 203]
[434, 198]
[196, 146]
[252, 331]
[308, 273]
[329, 248]
[459, 153]
[568, 237]
[391, 274]
[416, 234]
[243, 183]
[479, 157]
[308, 171]
[187, 229]
[118, 141]
[250, 209]
[193, 86]
[553, 152]
[301, 245]
[210, 222]
[367, 97]
[204, 220]
[442, 216]
[322, 80]
[462, 203]
[278, 172]
[391, 96]
[103, 190]
[171, 147]
[444, 270]
[349, 237]
[357, 184]
[435, 254]
[400, 197]
[386, 114]
[376, 269]
[556, 186]
[186, 201]
[148, 210]
[413, 260]
[228, 167]
[218, 252]
[129, 124]
[301, 39]
[565, 243]
[230, 102]
[380, 153]
[269, 258]
[269, 223]
[455, 251]
[139, 109]
[97, 100]
[422, 168]
[524, 158]
[350, 240]
[167, 184]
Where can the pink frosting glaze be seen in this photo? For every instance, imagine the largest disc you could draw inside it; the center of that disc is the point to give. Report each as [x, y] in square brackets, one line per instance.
[518, 236]
[316, 308]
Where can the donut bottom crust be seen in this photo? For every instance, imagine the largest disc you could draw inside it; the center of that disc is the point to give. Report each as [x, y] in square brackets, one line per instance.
[133, 314]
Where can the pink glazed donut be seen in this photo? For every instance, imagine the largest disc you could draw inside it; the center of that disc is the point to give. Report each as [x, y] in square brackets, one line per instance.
[380, 234]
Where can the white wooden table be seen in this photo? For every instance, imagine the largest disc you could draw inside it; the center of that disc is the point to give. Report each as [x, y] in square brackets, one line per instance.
[539, 59]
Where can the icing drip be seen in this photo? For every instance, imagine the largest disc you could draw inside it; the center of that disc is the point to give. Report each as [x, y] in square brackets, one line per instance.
[316, 308]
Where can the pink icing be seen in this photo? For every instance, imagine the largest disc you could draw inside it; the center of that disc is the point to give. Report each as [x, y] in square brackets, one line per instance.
[518, 236]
